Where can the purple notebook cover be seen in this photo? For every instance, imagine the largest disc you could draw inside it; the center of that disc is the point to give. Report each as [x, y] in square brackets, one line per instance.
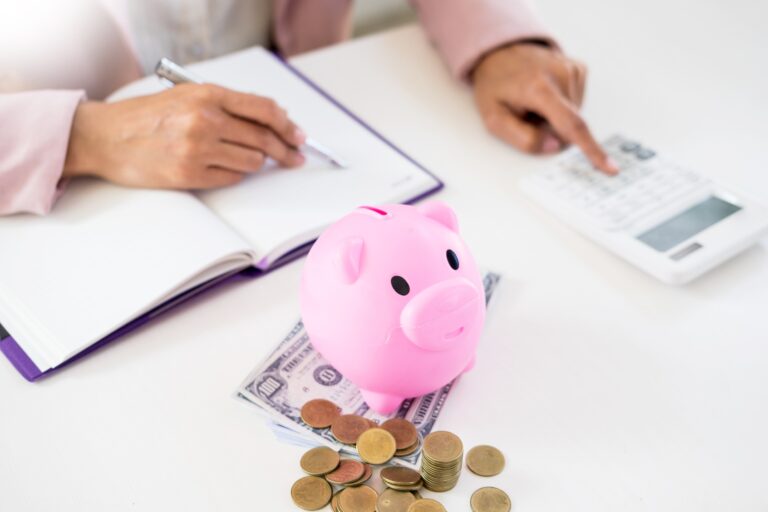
[31, 372]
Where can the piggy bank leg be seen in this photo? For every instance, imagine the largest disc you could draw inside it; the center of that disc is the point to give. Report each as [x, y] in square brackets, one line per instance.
[380, 402]
[470, 365]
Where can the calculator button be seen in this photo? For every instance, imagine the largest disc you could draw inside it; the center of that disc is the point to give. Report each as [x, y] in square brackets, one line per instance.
[644, 153]
[629, 146]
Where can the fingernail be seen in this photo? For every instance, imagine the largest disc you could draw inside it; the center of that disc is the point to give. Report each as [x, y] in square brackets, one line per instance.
[550, 144]
[299, 135]
[611, 166]
[298, 159]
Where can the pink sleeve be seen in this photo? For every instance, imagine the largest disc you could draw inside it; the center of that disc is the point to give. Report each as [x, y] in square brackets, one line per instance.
[34, 134]
[464, 30]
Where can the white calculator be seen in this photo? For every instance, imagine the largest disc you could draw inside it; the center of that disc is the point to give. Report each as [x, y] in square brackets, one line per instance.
[671, 222]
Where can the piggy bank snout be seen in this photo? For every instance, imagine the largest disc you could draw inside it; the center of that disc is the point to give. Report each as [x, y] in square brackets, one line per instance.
[437, 317]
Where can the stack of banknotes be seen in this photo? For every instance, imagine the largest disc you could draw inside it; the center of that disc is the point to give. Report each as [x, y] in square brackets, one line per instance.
[295, 373]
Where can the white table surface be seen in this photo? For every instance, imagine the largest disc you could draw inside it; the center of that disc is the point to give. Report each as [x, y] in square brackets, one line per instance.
[605, 389]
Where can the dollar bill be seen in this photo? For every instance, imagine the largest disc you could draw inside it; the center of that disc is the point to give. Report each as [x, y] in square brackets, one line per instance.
[295, 373]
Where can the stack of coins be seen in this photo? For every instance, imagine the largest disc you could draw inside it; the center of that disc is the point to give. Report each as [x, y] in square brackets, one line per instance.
[441, 462]
[340, 481]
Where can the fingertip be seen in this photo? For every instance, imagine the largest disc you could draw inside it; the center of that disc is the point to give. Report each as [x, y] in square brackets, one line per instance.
[550, 144]
[611, 167]
[296, 159]
[299, 136]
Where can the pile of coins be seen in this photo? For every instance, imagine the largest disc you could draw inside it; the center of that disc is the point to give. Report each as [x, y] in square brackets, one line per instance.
[340, 482]
[441, 461]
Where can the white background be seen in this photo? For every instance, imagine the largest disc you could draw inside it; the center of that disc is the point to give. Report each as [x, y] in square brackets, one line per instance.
[605, 389]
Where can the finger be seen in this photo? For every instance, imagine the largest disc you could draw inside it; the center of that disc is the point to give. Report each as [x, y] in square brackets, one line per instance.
[563, 73]
[580, 74]
[569, 125]
[573, 84]
[250, 135]
[237, 158]
[263, 111]
[214, 177]
[504, 124]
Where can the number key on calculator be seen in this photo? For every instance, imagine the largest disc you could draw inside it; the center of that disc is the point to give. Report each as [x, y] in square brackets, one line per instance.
[644, 184]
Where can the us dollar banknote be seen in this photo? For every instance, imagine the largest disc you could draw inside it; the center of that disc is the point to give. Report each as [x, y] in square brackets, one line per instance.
[295, 373]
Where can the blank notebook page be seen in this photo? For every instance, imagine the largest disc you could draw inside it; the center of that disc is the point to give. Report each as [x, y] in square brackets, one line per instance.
[100, 258]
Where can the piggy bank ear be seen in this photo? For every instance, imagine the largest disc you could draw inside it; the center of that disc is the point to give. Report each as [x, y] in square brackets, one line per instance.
[349, 259]
[441, 212]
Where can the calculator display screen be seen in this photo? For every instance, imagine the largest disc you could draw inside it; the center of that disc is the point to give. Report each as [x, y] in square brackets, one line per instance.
[695, 219]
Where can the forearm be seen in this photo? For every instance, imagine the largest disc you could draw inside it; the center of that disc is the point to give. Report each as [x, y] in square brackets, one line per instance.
[465, 30]
[34, 137]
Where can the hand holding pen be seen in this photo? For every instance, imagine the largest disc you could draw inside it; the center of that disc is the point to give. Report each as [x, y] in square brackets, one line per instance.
[188, 137]
[175, 75]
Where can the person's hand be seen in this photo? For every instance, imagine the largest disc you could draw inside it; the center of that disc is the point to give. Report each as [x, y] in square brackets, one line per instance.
[188, 137]
[529, 96]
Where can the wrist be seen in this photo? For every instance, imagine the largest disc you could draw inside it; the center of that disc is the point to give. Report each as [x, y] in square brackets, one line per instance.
[83, 150]
[539, 42]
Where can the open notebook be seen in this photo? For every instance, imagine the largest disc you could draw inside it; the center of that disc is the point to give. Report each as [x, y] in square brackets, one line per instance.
[109, 259]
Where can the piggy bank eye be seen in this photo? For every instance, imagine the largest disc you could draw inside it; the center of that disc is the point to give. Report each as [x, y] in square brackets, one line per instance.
[400, 285]
[453, 260]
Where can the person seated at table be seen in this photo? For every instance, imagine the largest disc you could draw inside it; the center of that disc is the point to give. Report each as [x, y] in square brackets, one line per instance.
[57, 54]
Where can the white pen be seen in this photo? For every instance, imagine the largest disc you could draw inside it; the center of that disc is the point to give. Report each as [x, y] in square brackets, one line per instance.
[176, 74]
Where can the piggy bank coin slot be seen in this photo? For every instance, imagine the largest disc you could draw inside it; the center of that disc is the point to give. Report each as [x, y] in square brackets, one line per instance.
[374, 212]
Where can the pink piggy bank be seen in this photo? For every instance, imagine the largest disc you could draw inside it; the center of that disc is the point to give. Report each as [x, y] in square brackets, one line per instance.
[392, 298]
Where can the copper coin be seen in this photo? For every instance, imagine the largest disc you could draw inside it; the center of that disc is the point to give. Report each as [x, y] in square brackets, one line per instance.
[485, 460]
[376, 446]
[407, 451]
[403, 431]
[335, 502]
[319, 413]
[348, 427]
[426, 505]
[319, 461]
[311, 493]
[490, 499]
[366, 476]
[394, 501]
[348, 471]
[400, 476]
[358, 499]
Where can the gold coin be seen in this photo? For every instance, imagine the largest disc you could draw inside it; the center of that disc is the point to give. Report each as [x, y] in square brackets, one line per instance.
[319, 461]
[335, 502]
[426, 505]
[490, 499]
[403, 431]
[394, 501]
[311, 493]
[348, 471]
[485, 460]
[366, 476]
[358, 499]
[319, 413]
[442, 447]
[400, 476]
[348, 427]
[376, 446]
